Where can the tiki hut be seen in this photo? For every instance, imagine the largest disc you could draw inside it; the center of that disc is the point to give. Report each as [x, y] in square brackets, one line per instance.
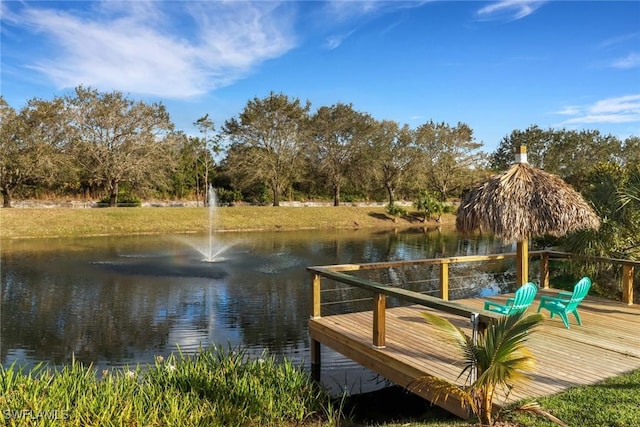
[524, 202]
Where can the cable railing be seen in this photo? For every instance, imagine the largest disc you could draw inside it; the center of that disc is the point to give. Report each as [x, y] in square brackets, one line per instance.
[437, 298]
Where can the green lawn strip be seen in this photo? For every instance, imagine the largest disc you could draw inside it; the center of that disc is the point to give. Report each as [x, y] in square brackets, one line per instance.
[614, 402]
[69, 222]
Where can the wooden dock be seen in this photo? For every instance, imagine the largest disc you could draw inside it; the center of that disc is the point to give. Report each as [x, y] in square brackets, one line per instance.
[607, 344]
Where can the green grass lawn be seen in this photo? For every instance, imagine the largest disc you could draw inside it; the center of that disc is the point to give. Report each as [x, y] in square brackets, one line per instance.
[615, 402]
[69, 222]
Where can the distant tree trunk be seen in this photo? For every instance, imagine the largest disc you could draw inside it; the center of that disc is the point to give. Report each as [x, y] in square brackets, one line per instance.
[276, 195]
[113, 196]
[391, 195]
[6, 198]
[336, 195]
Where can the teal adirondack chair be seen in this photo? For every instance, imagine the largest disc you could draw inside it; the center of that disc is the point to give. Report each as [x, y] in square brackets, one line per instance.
[566, 302]
[519, 303]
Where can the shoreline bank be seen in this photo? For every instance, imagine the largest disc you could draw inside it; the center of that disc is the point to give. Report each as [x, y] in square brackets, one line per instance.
[36, 222]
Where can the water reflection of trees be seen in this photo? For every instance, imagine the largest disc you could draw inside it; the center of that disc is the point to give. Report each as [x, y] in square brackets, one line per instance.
[59, 319]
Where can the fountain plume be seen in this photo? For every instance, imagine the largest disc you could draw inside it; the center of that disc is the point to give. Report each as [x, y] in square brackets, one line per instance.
[213, 249]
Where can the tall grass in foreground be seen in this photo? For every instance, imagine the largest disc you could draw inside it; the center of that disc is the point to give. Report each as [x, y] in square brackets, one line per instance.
[214, 387]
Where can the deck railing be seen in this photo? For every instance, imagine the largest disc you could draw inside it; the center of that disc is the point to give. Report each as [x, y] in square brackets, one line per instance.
[626, 279]
[381, 292]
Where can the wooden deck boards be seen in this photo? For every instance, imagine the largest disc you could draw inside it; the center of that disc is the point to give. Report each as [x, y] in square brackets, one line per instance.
[607, 344]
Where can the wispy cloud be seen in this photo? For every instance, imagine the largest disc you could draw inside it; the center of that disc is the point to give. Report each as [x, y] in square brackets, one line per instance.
[632, 60]
[617, 105]
[569, 110]
[623, 109]
[509, 9]
[334, 41]
[354, 13]
[173, 50]
[614, 41]
[343, 10]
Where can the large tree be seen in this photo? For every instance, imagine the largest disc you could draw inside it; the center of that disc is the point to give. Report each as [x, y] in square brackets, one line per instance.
[535, 140]
[338, 135]
[120, 140]
[185, 170]
[568, 153]
[267, 141]
[12, 152]
[631, 151]
[32, 145]
[574, 154]
[392, 156]
[450, 156]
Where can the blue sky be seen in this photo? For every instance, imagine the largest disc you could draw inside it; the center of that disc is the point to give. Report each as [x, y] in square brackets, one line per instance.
[496, 66]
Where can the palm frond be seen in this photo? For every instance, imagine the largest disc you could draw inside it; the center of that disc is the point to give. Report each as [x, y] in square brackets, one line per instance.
[448, 330]
[499, 356]
[535, 408]
[631, 191]
[443, 390]
[504, 359]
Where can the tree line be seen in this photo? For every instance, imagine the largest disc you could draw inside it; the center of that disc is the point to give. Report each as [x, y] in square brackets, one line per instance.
[105, 145]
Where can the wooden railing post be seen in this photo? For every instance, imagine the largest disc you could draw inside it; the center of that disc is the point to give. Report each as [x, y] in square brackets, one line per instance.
[315, 296]
[379, 320]
[444, 281]
[627, 283]
[544, 271]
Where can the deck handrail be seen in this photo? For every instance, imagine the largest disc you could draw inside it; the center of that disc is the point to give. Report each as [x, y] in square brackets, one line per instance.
[561, 254]
[628, 270]
[451, 307]
[380, 291]
[628, 267]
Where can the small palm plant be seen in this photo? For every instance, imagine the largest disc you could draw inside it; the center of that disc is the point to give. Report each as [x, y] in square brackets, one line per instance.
[429, 206]
[498, 360]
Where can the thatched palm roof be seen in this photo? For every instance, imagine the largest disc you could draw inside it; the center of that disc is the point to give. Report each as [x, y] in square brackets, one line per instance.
[525, 202]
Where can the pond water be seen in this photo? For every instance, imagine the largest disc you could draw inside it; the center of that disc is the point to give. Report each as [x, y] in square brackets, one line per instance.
[121, 301]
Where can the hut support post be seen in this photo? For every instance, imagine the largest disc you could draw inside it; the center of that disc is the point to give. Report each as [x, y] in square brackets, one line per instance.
[444, 281]
[379, 320]
[544, 271]
[522, 263]
[627, 284]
